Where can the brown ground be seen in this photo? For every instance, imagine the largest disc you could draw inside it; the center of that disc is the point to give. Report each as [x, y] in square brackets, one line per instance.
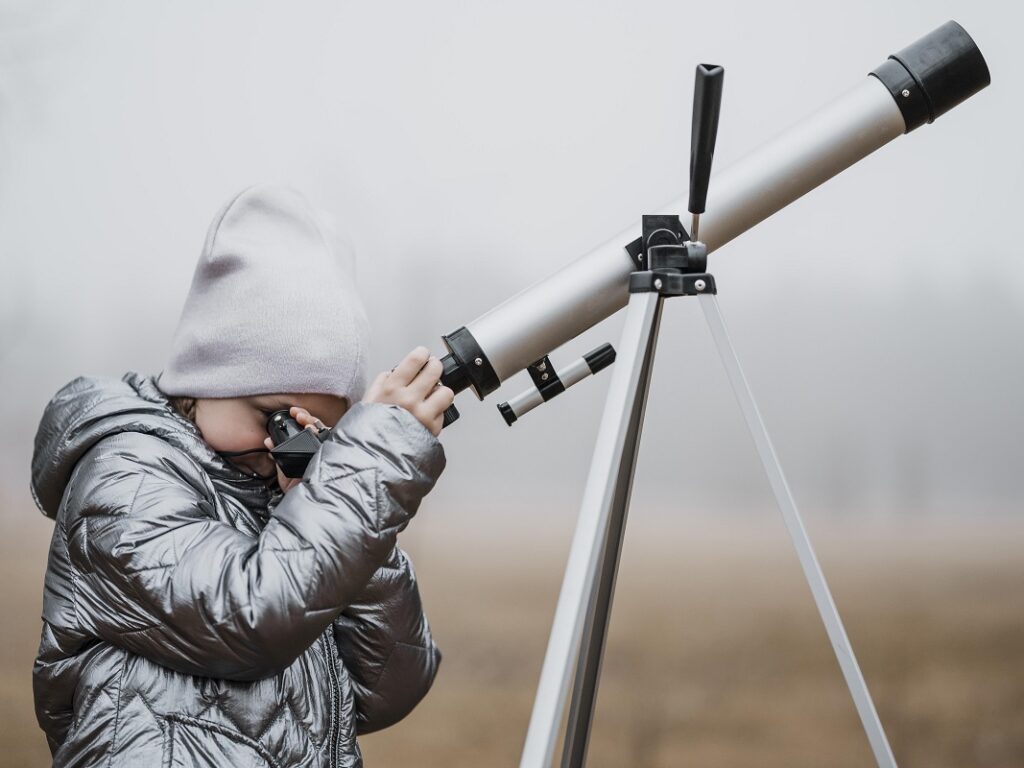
[716, 655]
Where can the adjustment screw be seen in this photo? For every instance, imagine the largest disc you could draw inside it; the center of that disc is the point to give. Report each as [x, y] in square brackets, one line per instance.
[906, 93]
[657, 283]
[700, 285]
[479, 361]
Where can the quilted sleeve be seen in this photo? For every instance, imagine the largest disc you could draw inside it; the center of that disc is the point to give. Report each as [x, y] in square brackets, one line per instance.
[157, 574]
[385, 642]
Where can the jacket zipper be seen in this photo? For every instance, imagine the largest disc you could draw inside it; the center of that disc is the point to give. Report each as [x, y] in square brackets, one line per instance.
[332, 672]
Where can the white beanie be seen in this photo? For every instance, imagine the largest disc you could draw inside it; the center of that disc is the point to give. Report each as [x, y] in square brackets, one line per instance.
[273, 306]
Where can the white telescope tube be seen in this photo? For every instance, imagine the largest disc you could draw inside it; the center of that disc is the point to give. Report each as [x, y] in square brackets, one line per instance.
[558, 308]
[912, 87]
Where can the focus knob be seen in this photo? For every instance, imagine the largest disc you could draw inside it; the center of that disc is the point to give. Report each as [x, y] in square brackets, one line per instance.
[451, 415]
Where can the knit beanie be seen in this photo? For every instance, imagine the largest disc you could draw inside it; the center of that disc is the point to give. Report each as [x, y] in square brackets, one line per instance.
[273, 305]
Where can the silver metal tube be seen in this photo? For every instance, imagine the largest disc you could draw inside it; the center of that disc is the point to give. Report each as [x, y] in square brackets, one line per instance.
[558, 308]
[617, 438]
[575, 372]
[798, 534]
[525, 402]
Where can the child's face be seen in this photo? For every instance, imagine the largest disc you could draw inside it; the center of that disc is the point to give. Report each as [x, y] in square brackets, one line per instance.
[240, 423]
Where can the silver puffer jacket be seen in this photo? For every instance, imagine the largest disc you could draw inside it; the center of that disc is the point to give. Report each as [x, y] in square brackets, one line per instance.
[193, 617]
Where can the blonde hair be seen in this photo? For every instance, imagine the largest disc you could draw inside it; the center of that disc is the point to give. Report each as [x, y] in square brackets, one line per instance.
[185, 407]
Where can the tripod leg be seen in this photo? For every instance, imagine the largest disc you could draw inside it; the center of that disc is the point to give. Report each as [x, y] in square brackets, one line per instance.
[593, 556]
[595, 628]
[801, 541]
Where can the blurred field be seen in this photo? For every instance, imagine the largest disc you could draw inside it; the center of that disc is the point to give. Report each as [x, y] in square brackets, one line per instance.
[716, 656]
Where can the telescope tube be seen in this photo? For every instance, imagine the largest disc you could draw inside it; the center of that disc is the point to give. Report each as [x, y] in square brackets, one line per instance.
[912, 87]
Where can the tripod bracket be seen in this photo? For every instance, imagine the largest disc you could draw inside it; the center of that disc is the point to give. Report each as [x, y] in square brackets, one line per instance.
[672, 283]
[545, 379]
[666, 244]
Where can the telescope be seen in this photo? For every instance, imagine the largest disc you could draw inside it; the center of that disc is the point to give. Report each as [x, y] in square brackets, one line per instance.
[911, 88]
[638, 269]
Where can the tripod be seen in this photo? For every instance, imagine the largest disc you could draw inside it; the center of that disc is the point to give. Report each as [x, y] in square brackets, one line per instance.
[669, 263]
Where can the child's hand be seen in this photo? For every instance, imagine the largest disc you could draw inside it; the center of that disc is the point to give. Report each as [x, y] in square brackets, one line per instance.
[413, 384]
[306, 420]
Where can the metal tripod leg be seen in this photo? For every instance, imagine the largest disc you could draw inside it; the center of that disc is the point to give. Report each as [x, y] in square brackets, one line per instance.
[585, 598]
[801, 541]
[595, 629]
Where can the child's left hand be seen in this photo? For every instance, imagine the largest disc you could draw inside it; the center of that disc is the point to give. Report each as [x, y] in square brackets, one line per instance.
[307, 421]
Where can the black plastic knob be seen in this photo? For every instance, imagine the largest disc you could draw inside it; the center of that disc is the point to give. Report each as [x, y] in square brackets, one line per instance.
[451, 415]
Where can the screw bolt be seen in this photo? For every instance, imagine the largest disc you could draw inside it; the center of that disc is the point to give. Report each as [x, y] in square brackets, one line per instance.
[906, 93]
[658, 283]
[479, 361]
[543, 377]
[700, 285]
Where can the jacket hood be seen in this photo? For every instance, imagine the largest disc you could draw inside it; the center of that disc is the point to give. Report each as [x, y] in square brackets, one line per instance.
[88, 409]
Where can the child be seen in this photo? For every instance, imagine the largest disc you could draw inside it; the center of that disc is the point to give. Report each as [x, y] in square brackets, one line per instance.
[200, 609]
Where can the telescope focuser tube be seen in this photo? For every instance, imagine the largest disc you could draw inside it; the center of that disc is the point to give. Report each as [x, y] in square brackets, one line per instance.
[466, 366]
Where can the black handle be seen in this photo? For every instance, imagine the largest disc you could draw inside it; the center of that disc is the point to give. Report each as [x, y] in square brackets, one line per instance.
[707, 102]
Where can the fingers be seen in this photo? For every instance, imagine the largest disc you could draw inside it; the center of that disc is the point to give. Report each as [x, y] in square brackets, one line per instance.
[301, 415]
[414, 384]
[427, 378]
[406, 370]
[373, 392]
[435, 406]
[287, 483]
[440, 399]
[409, 382]
[306, 419]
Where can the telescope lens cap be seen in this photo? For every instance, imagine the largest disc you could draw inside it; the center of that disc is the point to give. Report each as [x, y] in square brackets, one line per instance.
[931, 76]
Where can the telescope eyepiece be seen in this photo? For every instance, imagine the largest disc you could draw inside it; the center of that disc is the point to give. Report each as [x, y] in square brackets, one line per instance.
[281, 426]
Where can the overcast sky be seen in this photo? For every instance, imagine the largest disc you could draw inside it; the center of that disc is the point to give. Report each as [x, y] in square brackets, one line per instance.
[471, 149]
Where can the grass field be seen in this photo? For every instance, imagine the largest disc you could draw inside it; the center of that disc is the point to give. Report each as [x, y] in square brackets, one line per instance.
[716, 655]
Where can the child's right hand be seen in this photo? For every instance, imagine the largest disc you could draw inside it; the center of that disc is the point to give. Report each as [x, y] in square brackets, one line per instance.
[413, 384]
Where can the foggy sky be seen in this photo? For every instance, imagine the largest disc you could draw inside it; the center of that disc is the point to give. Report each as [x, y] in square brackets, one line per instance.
[472, 149]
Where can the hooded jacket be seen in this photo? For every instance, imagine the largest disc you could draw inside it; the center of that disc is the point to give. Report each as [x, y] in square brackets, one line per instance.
[193, 617]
